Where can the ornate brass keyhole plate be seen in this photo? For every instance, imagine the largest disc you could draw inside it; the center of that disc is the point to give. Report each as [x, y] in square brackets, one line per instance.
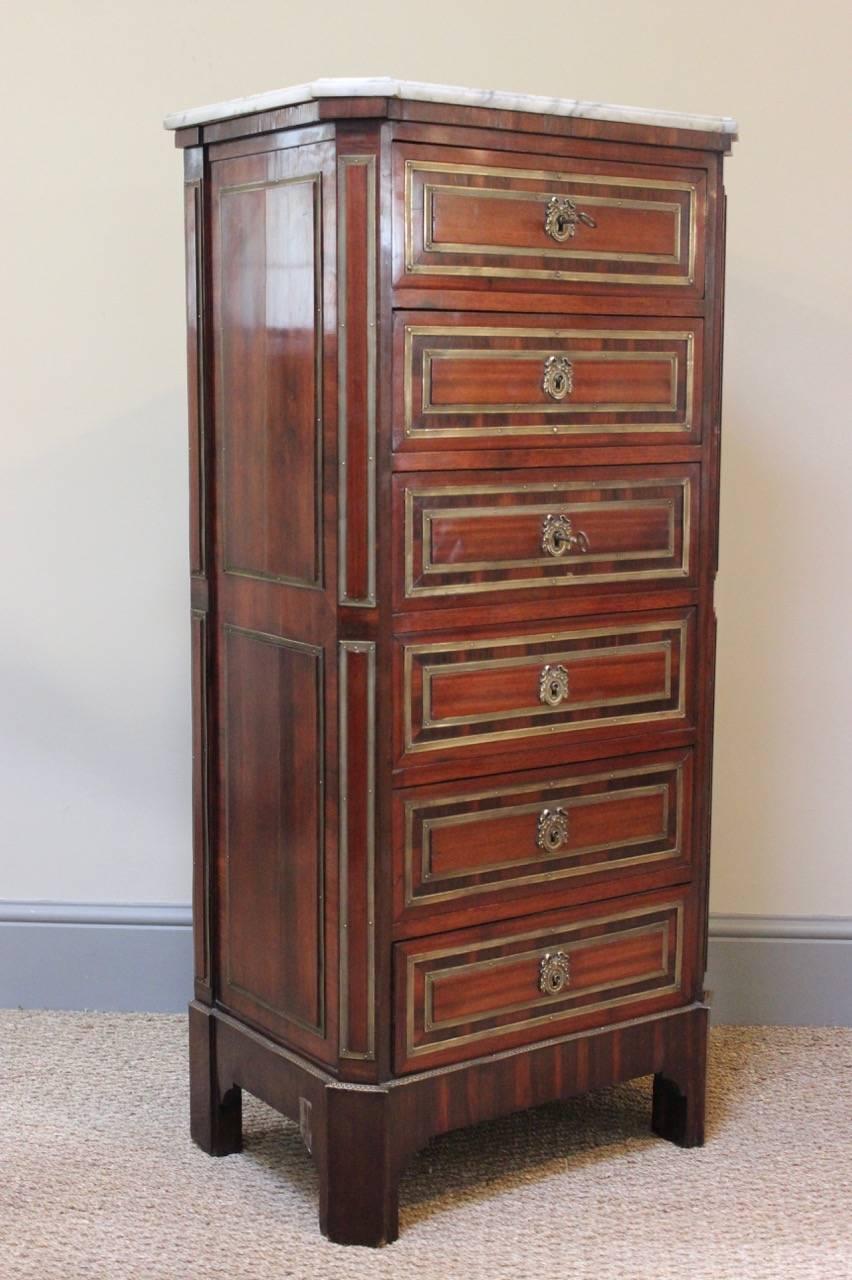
[558, 537]
[558, 378]
[552, 685]
[561, 218]
[552, 830]
[554, 973]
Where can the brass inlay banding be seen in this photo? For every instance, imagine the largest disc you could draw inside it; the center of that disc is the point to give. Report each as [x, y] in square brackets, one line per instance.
[433, 978]
[201, 425]
[568, 577]
[368, 649]
[529, 355]
[564, 410]
[545, 250]
[431, 514]
[678, 629]
[540, 705]
[560, 252]
[413, 1050]
[344, 165]
[560, 793]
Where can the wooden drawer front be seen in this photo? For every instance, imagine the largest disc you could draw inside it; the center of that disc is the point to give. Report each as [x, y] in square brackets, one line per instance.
[528, 530]
[467, 218]
[468, 384]
[462, 845]
[493, 689]
[460, 995]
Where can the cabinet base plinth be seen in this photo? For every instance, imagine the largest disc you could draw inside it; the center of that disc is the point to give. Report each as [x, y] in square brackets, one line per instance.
[677, 1111]
[362, 1136]
[215, 1116]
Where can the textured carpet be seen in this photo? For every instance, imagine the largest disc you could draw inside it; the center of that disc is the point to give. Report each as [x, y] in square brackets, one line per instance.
[98, 1177]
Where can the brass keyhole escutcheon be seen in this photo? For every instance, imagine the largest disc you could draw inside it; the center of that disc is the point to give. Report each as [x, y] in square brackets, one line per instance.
[552, 830]
[562, 216]
[558, 377]
[558, 536]
[552, 685]
[554, 973]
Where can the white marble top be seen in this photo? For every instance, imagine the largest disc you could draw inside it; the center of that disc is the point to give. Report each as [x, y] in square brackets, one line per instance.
[387, 87]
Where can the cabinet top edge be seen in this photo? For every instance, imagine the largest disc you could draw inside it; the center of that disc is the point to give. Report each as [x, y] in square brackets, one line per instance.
[446, 95]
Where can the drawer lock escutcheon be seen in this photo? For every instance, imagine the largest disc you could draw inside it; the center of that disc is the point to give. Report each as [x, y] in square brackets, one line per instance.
[561, 218]
[558, 377]
[552, 830]
[554, 973]
[558, 536]
[552, 685]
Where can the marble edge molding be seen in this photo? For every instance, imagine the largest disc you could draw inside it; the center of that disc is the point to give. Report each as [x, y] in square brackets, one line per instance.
[415, 90]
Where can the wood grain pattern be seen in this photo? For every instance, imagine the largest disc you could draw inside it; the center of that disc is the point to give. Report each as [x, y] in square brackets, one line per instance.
[461, 994]
[468, 851]
[481, 689]
[194, 257]
[388, 1122]
[357, 747]
[272, 635]
[356, 251]
[463, 381]
[472, 215]
[469, 536]
[374, 769]
[200, 806]
[274, 835]
[270, 367]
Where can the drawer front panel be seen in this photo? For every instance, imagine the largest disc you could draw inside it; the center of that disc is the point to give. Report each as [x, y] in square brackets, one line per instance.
[528, 530]
[464, 845]
[472, 992]
[494, 690]
[467, 218]
[468, 384]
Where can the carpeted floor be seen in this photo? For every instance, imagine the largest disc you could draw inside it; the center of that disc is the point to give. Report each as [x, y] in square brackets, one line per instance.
[98, 1177]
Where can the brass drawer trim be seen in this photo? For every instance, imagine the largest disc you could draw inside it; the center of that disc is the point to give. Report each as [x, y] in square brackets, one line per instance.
[564, 254]
[367, 648]
[532, 355]
[545, 250]
[564, 409]
[345, 165]
[678, 628]
[568, 576]
[433, 979]
[413, 1050]
[538, 707]
[560, 794]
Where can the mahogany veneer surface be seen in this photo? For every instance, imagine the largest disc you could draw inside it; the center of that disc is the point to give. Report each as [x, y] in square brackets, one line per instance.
[454, 400]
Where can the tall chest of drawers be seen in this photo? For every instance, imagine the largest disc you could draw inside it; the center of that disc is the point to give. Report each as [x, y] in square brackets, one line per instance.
[454, 393]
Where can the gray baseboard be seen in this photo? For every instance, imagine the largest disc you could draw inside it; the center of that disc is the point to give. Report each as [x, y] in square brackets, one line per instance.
[781, 970]
[128, 958]
[764, 970]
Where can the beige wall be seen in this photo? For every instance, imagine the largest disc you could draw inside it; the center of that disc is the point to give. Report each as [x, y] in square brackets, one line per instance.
[93, 647]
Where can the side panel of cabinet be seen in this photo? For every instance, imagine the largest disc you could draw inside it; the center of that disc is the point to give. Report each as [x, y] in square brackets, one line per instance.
[273, 311]
[273, 836]
[270, 353]
[199, 462]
